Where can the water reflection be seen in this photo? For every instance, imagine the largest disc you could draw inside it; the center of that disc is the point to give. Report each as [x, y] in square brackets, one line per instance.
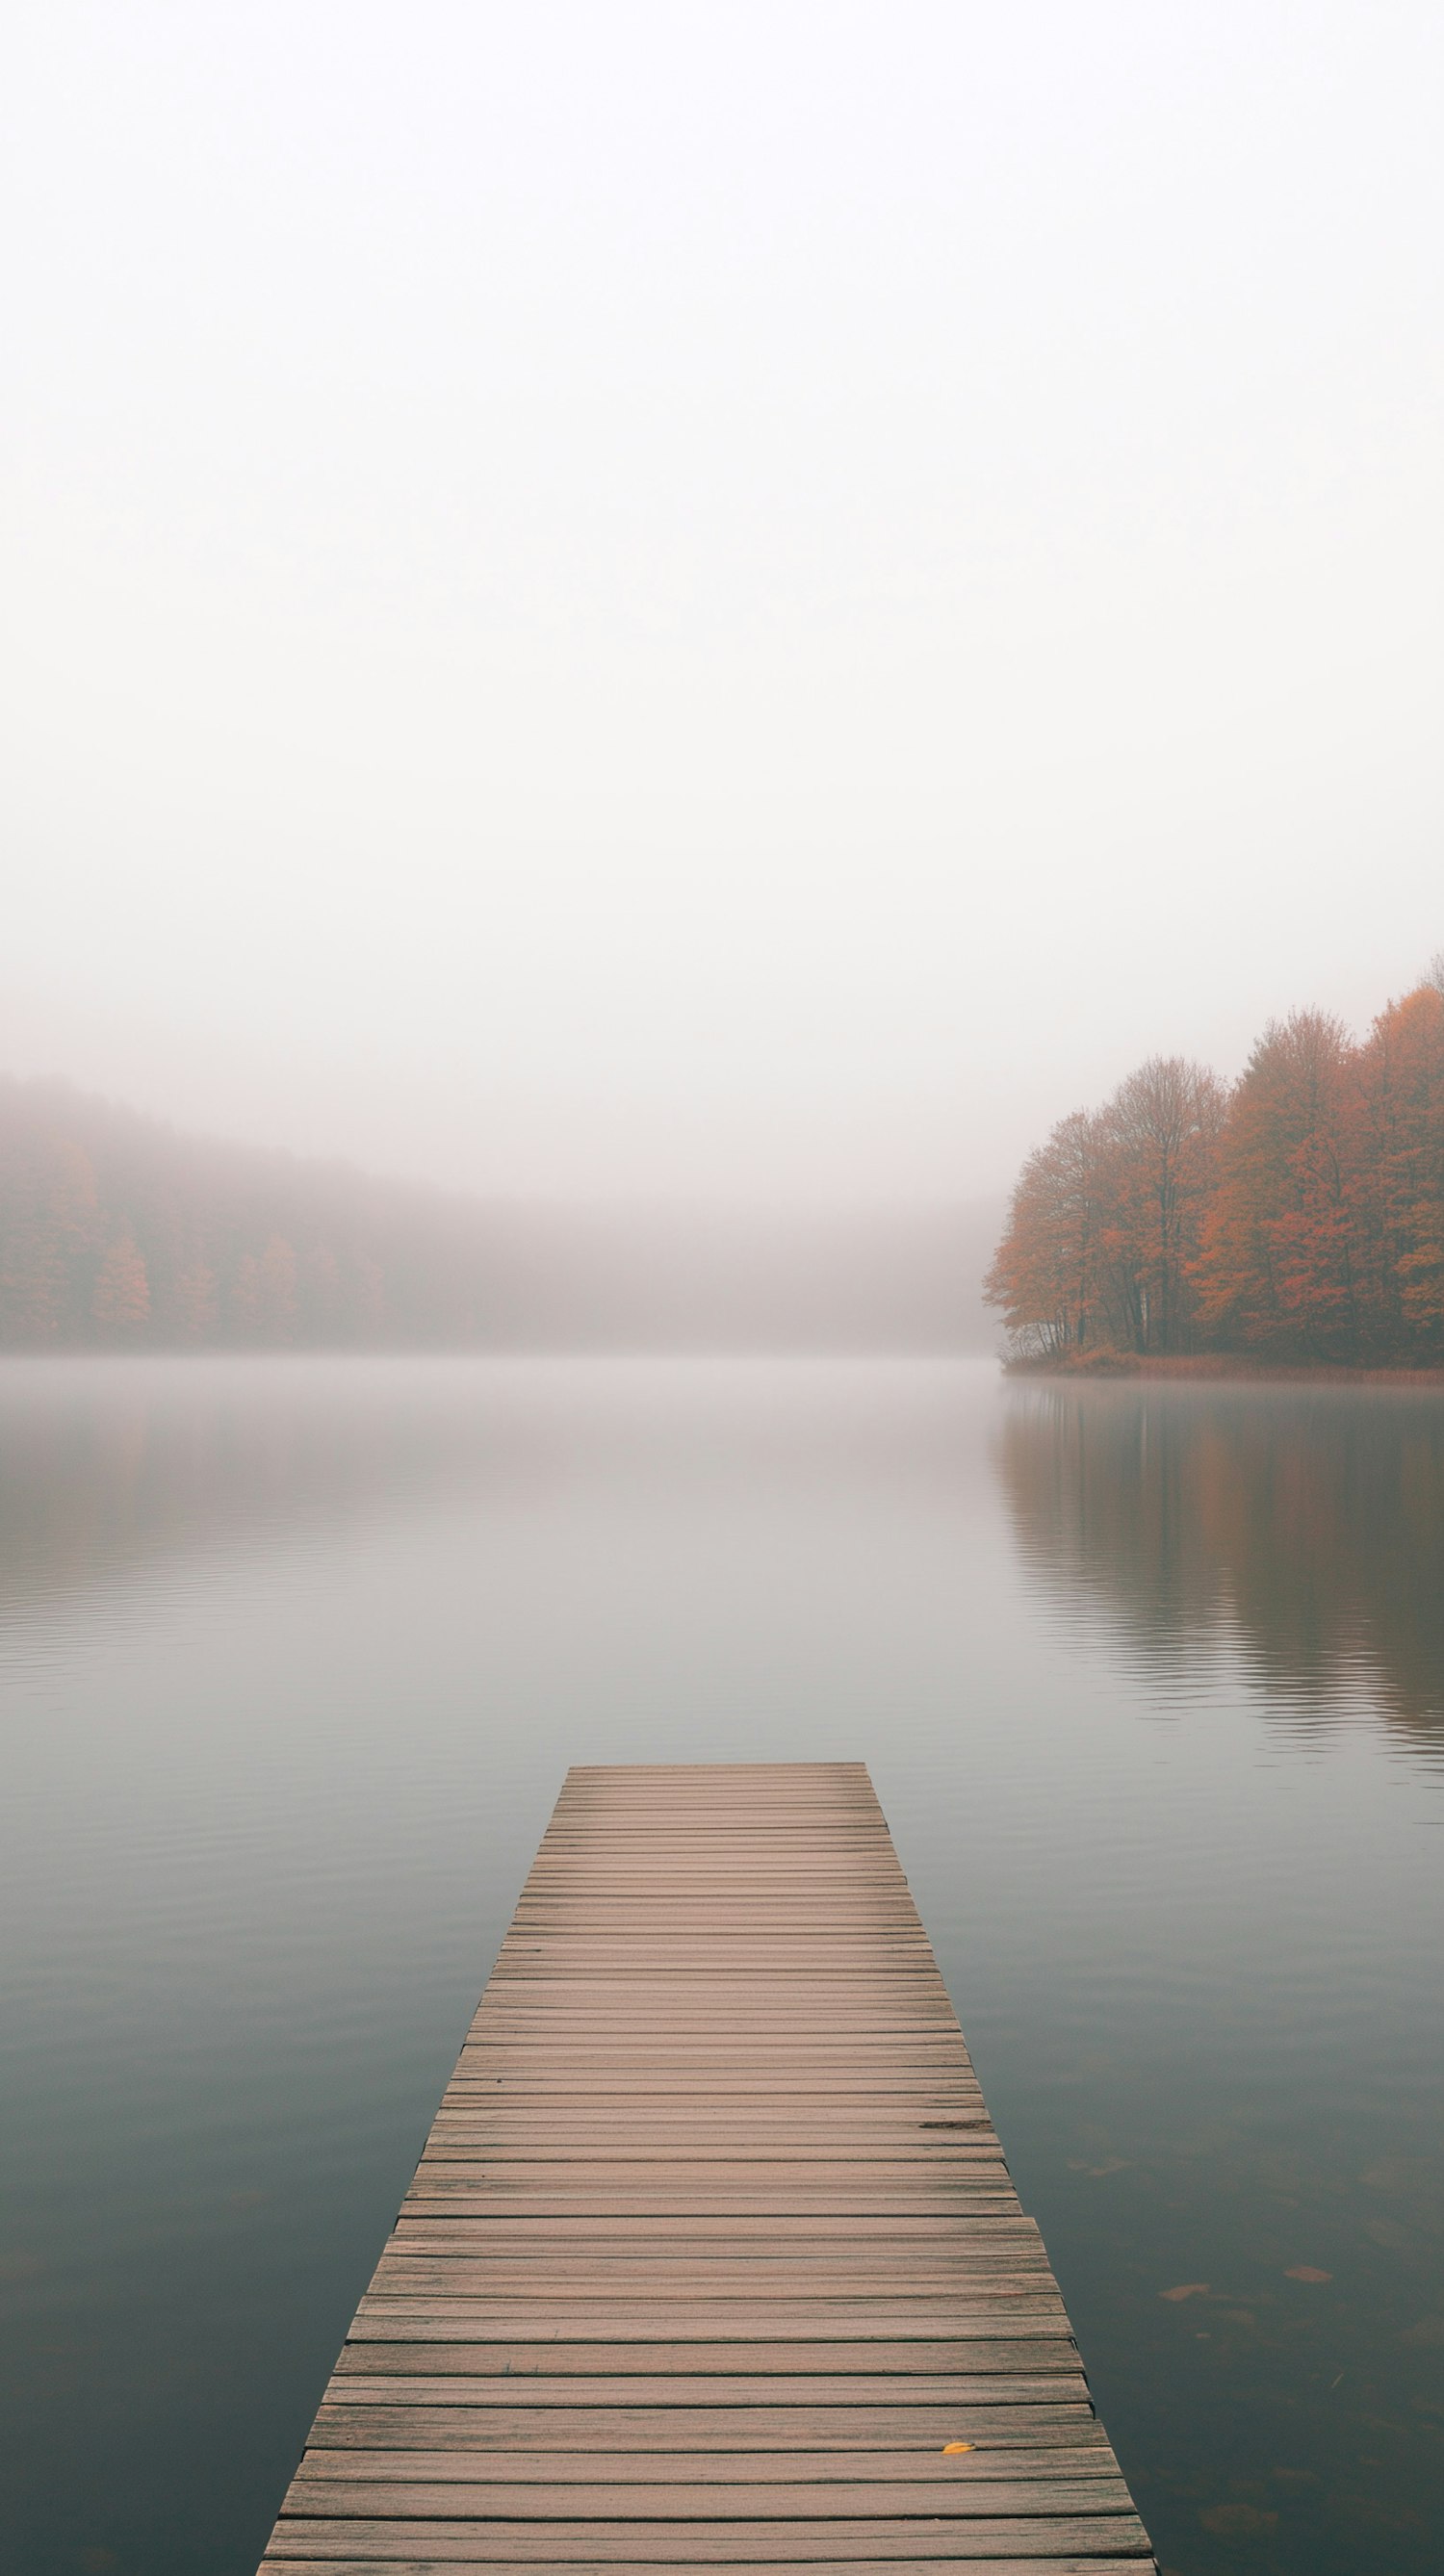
[293, 1654]
[107, 1465]
[1303, 1529]
[111, 1467]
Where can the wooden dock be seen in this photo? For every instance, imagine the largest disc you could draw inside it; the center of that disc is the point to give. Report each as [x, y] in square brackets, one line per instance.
[712, 2257]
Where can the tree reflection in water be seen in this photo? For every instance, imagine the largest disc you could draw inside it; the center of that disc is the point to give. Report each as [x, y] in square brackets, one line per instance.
[1304, 1527]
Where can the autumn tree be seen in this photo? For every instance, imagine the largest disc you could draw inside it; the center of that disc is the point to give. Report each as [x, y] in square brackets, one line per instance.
[1159, 1137]
[1401, 1183]
[366, 1302]
[1280, 1266]
[120, 1300]
[1104, 1227]
[1045, 1272]
[49, 1229]
[238, 1245]
[195, 1301]
[243, 1299]
[276, 1290]
[320, 1293]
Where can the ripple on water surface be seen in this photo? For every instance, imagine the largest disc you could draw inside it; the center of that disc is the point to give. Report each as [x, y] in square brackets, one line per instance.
[1151, 1681]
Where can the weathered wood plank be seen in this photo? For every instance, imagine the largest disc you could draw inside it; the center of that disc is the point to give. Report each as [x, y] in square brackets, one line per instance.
[558, 2203]
[953, 2159]
[703, 2542]
[609, 2232]
[965, 2293]
[429, 2566]
[705, 2321]
[712, 2250]
[512, 2125]
[793, 2432]
[934, 2468]
[703, 2235]
[720, 2499]
[375, 2341]
[474, 2376]
[651, 2271]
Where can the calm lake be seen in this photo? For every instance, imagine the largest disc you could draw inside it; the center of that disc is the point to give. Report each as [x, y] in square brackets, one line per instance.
[294, 1654]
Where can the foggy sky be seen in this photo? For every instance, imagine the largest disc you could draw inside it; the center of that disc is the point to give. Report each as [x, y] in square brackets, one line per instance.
[683, 594]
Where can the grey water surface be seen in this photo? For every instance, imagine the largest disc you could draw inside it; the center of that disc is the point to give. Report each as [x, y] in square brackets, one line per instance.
[294, 1654]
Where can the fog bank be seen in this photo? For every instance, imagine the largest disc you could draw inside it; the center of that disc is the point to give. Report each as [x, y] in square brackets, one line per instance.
[117, 1233]
[711, 601]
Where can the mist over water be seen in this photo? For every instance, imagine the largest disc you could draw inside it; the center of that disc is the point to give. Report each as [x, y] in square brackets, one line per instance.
[294, 1653]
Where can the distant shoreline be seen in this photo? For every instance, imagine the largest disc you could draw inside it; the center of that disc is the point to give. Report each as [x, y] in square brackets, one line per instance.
[1220, 1368]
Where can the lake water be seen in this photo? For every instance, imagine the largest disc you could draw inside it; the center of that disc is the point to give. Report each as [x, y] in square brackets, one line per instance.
[1151, 1683]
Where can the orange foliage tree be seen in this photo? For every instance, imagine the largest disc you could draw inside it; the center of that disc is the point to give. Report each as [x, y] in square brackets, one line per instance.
[1162, 1130]
[116, 1230]
[49, 1230]
[1045, 1272]
[1281, 1265]
[120, 1299]
[276, 1290]
[1401, 1190]
[1300, 1216]
[1103, 1227]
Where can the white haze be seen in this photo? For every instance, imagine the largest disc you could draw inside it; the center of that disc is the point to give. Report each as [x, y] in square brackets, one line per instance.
[705, 596]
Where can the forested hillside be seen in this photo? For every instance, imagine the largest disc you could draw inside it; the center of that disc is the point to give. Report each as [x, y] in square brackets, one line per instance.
[1298, 1216]
[118, 1233]
[115, 1229]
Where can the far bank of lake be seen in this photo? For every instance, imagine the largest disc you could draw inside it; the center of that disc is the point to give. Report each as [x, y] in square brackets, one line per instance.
[1219, 1368]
